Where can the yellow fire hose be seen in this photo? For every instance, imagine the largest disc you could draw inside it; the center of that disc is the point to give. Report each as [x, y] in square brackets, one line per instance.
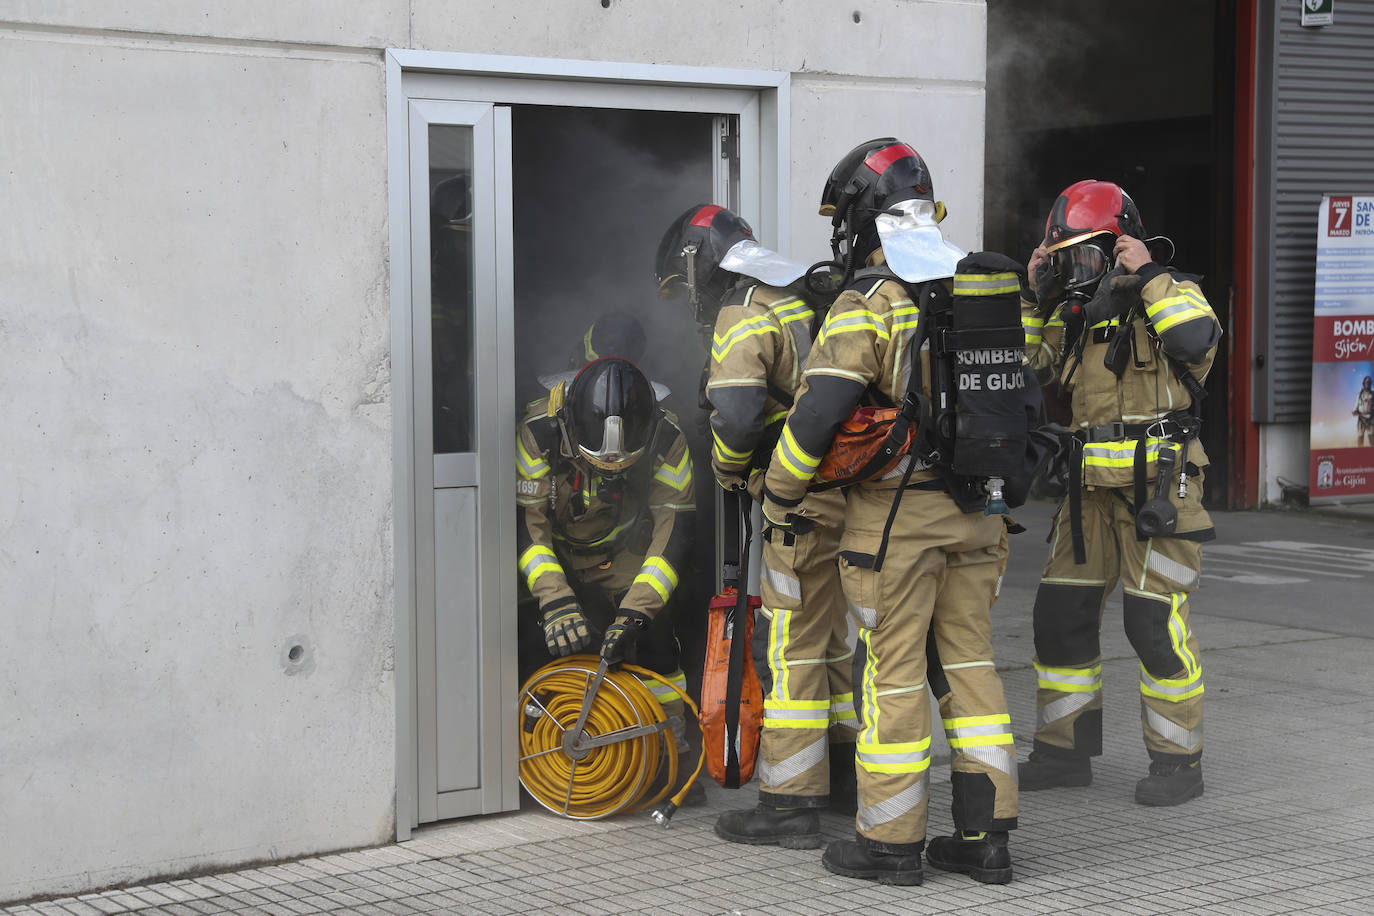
[592, 740]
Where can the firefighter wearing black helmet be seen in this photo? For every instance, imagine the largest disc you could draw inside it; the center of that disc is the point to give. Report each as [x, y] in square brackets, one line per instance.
[941, 565]
[604, 501]
[761, 324]
[1130, 340]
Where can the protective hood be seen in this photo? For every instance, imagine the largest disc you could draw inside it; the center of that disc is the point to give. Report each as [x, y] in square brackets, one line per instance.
[912, 244]
[750, 258]
[552, 380]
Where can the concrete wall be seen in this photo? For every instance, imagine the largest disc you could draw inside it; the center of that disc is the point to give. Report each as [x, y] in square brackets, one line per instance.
[195, 385]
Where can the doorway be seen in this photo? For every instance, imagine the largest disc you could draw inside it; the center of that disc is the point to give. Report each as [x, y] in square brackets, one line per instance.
[1074, 93]
[527, 198]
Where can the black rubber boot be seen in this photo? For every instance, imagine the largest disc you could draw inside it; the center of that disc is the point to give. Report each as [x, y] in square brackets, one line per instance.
[1052, 771]
[1170, 783]
[982, 856]
[857, 860]
[764, 825]
[844, 782]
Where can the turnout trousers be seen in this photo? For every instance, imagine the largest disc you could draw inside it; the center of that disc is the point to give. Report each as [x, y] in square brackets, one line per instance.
[940, 575]
[810, 703]
[1157, 576]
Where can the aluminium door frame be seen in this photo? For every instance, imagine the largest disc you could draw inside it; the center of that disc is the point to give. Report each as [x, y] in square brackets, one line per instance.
[760, 99]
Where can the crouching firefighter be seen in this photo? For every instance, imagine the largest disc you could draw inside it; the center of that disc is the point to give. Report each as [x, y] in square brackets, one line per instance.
[604, 507]
[764, 320]
[923, 547]
[1131, 341]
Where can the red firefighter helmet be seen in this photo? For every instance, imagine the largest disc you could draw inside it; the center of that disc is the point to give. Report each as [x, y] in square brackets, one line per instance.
[1081, 232]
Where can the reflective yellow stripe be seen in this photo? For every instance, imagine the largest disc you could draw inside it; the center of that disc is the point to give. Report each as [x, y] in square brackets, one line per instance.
[749, 327]
[726, 456]
[986, 284]
[1171, 690]
[902, 757]
[536, 561]
[779, 631]
[1121, 453]
[677, 476]
[856, 320]
[783, 713]
[528, 465]
[659, 575]
[1070, 680]
[907, 316]
[1173, 310]
[798, 462]
[790, 310]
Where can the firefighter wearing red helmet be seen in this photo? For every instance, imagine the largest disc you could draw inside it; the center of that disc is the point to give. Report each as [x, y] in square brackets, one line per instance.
[1131, 341]
[761, 322]
[913, 561]
[604, 503]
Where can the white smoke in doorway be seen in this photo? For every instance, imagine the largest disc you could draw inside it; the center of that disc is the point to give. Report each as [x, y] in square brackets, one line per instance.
[595, 190]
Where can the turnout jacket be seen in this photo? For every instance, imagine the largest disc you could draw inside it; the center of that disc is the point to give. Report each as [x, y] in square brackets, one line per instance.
[570, 518]
[1174, 321]
[862, 354]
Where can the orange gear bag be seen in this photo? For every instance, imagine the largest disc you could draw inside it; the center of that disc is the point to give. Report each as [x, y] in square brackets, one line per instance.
[868, 444]
[731, 703]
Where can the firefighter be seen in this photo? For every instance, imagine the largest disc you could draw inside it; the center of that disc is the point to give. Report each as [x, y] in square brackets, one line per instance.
[613, 333]
[604, 498]
[910, 565]
[1130, 341]
[1364, 414]
[763, 325]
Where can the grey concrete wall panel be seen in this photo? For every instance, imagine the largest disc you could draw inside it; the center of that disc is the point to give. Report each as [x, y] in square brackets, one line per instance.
[376, 24]
[194, 366]
[893, 39]
[1315, 105]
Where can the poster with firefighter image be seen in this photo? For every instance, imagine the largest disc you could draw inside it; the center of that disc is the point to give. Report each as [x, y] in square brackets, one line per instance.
[1342, 445]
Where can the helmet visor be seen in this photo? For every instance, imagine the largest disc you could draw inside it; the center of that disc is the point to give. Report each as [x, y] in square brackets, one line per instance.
[616, 453]
[1080, 266]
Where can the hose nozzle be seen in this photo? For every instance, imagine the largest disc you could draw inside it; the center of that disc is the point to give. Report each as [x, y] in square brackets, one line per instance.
[663, 814]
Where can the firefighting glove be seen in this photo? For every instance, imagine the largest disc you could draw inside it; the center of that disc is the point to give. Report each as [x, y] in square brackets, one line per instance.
[1118, 293]
[1049, 286]
[621, 635]
[565, 629]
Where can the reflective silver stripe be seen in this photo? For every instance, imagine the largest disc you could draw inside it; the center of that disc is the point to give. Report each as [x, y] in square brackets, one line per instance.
[1056, 677]
[1065, 706]
[907, 800]
[1189, 740]
[970, 731]
[866, 616]
[879, 758]
[999, 758]
[774, 775]
[1147, 681]
[773, 712]
[1172, 570]
[782, 583]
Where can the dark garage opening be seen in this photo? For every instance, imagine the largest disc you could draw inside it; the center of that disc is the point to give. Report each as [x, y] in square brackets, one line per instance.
[1139, 92]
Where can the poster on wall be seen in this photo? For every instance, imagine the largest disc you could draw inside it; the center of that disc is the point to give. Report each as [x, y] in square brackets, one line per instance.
[1342, 443]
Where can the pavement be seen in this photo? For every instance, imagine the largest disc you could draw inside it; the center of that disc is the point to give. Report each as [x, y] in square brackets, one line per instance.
[1286, 824]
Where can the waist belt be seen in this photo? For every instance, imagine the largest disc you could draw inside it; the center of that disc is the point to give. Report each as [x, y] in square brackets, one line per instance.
[1174, 426]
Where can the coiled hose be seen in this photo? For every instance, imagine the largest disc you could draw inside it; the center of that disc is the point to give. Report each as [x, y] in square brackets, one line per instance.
[593, 742]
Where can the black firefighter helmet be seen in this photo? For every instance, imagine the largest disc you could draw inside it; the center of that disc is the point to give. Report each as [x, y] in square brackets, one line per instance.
[690, 253]
[610, 414]
[871, 178]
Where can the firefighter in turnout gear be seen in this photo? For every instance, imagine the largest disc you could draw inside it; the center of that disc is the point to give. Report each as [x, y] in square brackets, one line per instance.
[604, 508]
[1364, 414]
[1130, 340]
[763, 326]
[910, 567]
